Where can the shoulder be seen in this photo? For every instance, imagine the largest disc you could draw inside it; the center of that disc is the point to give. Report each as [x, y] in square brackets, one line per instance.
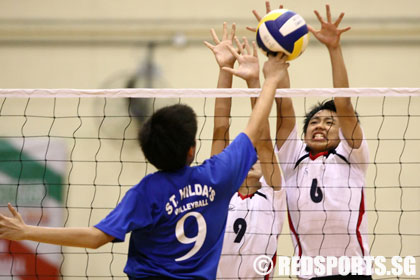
[242, 140]
[353, 155]
[150, 183]
[240, 151]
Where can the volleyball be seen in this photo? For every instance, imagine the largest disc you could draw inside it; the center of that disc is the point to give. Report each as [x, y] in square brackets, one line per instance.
[283, 30]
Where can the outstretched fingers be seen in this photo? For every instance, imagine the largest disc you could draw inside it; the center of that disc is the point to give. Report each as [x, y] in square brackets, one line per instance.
[328, 10]
[230, 70]
[214, 36]
[12, 210]
[320, 19]
[208, 45]
[338, 21]
[233, 51]
[240, 45]
[246, 44]
[257, 15]
[225, 32]
[258, 18]
[310, 28]
[233, 31]
[344, 30]
[254, 49]
[267, 7]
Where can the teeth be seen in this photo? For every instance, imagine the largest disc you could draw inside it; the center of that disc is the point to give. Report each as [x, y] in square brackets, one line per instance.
[318, 136]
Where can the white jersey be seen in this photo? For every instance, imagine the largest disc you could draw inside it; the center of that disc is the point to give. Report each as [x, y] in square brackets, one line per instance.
[325, 199]
[253, 225]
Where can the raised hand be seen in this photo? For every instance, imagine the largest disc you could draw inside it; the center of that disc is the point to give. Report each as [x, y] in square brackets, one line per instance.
[329, 34]
[223, 55]
[248, 68]
[258, 17]
[11, 228]
[275, 68]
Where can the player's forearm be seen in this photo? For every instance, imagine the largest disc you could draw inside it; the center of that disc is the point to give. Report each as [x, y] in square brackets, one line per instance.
[225, 79]
[253, 83]
[286, 118]
[339, 71]
[261, 110]
[222, 108]
[76, 237]
[269, 164]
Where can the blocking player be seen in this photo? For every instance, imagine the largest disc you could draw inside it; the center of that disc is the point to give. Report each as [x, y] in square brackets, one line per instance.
[256, 211]
[325, 173]
[177, 215]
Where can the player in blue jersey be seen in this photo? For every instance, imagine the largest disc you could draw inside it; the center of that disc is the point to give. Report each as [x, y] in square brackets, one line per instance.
[177, 215]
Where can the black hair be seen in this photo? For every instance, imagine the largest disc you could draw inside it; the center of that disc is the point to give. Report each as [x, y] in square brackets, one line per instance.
[167, 135]
[324, 105]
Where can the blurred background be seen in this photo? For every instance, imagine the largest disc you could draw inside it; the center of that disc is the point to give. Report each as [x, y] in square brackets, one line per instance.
[93, 44]
[102, 43]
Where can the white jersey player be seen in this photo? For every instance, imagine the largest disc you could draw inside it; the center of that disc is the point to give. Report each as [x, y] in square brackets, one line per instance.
[324, 174]
[325, 199]
[252, 229]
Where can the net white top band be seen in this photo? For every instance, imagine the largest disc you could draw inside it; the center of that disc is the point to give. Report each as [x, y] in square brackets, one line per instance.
[210, 92]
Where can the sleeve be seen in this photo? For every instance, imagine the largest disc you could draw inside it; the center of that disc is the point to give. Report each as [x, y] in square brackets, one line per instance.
[133, 212]
[278, 201]
[358, 156]
[289, 152]
[277, 198]
[231, 166]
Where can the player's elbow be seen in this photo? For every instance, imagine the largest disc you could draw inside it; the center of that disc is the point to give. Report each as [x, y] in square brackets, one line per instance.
[98, 238]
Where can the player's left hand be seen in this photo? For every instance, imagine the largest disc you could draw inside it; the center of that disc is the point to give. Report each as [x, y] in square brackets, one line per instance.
[258, 17]
[248, 68]
[220, 50]
[12, 228]
[329, 34]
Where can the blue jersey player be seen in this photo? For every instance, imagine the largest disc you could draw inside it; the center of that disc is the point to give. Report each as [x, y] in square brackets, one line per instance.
[177, 215]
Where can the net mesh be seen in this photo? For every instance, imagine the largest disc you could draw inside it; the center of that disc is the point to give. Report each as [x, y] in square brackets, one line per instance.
[68, 156]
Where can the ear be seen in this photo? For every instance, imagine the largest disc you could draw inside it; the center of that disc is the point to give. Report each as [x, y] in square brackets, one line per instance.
[191, 155]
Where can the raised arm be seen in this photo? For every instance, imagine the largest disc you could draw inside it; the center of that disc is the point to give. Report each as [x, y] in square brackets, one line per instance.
[222, 106]
[286, 119]
[249, 70]
[274, 70]
[330, 35]
[14, 228]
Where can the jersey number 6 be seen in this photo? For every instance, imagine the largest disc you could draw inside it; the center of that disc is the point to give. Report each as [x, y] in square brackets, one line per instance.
[316, 193]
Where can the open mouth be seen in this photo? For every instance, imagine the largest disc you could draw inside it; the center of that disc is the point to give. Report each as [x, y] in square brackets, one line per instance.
[319, 137]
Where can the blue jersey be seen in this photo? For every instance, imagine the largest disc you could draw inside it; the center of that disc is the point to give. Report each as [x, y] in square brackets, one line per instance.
[177, 219]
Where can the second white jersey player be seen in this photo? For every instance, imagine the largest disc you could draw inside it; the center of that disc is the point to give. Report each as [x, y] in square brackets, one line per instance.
[253, 225]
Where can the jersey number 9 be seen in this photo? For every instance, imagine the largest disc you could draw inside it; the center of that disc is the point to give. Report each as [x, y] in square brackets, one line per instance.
[198, 240]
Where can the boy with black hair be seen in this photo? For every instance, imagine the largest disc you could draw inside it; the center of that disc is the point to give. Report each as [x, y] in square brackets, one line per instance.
[325, 173]
[169, 132]
[177, 215]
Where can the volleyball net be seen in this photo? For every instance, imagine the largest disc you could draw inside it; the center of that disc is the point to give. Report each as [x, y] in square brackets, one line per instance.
[67, 157]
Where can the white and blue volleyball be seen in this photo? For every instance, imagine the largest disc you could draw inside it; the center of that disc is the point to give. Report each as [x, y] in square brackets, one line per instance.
[283, 30]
